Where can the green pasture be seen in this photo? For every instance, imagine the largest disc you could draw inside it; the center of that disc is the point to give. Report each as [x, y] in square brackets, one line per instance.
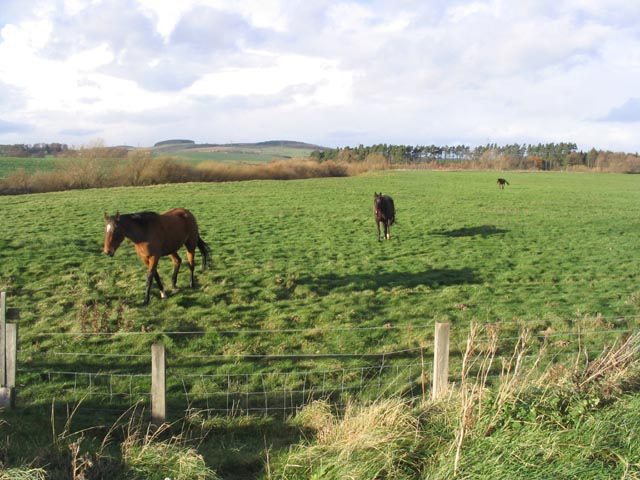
[249, 155]
[549, 250]
[297, 270]
[29, 165]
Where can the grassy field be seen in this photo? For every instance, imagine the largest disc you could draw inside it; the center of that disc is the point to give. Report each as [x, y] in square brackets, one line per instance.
[29, 165]
[248, 155]
[295, 261]
[303, 254]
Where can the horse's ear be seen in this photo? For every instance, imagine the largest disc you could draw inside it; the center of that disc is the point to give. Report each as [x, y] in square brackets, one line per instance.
[106, 216]
[117, 216]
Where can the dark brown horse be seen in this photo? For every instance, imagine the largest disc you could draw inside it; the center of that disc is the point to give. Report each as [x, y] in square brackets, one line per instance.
[155, 236]
[502, 182]
[385, 213]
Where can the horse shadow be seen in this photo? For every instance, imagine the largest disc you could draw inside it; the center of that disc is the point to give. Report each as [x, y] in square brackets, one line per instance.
[433, 278]
[483, 231]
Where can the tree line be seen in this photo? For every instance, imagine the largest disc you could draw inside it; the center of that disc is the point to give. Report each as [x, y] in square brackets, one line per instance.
[37, 150]
[541, 156]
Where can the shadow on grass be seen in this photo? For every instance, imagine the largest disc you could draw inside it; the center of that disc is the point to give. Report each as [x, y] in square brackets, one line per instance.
[482, 230]
[434, 278]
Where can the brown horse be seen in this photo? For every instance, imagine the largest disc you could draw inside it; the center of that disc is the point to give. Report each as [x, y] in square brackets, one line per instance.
[155, 236]
[502, 182]
[385, 213]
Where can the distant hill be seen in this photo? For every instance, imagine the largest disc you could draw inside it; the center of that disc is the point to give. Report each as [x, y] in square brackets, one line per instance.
[168, 146]
[174, 142]
[248, 153]
[284, 143]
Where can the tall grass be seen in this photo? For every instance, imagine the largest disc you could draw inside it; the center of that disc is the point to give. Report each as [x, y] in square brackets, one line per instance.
[129, 449]
[516, 429]
[148, 452]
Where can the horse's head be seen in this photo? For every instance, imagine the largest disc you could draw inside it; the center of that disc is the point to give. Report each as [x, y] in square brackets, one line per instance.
[113, 234]
[377, 202]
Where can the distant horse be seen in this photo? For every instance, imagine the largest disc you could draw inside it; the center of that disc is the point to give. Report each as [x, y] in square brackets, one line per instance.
[502, 182]
[155, 236]
[384, 212]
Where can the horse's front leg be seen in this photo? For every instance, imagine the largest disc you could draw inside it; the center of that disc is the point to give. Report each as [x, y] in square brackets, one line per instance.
[378, 225]
[177, 261]
[152, 266]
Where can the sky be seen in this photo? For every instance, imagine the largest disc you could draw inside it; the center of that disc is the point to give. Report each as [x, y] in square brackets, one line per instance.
[331, 73]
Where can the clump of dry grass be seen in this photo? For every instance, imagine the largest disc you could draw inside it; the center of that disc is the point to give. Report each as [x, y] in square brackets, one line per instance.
[23, 474]
[380, 440]
[612, 368]
[147, 454]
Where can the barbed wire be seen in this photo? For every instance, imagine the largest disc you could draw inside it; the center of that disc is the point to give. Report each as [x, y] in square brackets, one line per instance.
[247, 331]
[563, 334]
[386, 326]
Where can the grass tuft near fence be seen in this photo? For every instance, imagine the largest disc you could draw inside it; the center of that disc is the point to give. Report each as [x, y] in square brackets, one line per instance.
[536, 423]
[380, 440]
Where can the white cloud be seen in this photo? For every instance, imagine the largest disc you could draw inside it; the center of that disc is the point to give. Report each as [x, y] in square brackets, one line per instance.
[165, 14]
[260, 13]
[329, 85]
[339, 72]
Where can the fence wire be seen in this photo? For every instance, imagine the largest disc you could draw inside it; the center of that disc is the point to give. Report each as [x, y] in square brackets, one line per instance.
[233, 384]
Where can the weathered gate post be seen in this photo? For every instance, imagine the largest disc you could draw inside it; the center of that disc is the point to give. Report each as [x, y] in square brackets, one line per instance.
[158, 385]
[440, 360]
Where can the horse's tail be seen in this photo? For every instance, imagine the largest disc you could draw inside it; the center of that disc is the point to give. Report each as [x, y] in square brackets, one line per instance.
[205, 251]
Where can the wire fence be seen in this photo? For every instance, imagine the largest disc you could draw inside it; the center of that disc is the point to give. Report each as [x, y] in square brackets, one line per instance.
[279, 384]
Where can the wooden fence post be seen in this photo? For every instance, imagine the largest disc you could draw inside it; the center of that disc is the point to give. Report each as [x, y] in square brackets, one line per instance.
[158, 385]
[440, 360]
[3, 339]
[8, 356]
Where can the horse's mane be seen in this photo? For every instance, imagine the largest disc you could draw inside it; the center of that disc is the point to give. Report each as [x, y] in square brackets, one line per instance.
[142, 218]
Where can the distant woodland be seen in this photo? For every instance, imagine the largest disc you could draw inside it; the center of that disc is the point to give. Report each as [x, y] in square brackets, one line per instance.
[547, 156]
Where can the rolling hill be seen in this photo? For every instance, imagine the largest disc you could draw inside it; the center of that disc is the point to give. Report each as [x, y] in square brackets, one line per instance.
[260, 152]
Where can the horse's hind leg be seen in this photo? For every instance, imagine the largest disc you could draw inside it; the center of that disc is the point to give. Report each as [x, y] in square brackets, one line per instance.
[192, 265]
[177, 261]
